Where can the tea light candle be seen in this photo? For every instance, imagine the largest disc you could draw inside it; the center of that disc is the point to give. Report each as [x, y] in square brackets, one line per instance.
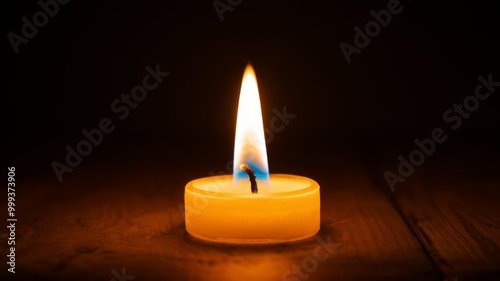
[270, 208]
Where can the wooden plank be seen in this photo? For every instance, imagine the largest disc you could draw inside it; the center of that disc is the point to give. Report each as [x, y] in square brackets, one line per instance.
[97, 221]
[451, 203]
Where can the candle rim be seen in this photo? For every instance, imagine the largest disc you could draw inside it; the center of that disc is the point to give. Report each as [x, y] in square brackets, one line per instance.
[313, 187]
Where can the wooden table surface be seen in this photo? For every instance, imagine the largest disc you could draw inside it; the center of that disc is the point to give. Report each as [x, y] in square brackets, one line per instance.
[106, 220]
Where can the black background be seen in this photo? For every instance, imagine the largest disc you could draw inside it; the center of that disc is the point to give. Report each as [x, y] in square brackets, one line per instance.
[394, 91]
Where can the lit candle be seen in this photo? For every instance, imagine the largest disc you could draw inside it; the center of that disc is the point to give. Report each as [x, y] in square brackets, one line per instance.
[252, 206]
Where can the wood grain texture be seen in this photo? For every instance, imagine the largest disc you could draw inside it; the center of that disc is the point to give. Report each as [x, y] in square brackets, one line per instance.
[451, 204]
[95, 222]
[454, 210]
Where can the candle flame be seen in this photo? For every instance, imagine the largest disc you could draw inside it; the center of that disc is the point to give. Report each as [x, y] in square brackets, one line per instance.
[250, 143]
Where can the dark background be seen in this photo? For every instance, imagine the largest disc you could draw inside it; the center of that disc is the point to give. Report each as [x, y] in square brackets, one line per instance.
[66, 77]
[394, 91]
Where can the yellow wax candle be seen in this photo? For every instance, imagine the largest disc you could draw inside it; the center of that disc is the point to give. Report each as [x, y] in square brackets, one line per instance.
[287, 210]
[272, 208]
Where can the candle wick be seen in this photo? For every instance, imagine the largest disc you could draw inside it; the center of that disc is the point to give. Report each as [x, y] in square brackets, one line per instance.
[251, 175]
